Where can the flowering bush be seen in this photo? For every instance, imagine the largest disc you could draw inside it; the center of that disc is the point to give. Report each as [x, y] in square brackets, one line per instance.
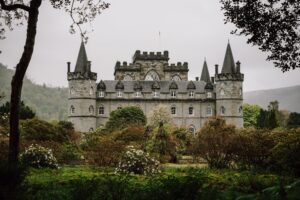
[137, 162]
[38, 157]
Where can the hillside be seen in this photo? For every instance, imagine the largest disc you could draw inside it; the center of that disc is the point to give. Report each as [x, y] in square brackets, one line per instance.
[288, 98]
[49, 103]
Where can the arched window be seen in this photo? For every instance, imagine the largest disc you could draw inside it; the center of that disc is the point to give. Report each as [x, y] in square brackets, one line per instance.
[127, 78]
[72, 91]
[192, 129]
[91, 91]
[241, 109]
[173, 110]
[72, 109]
[176, 78]
[240, 91]
[101, 110]
[191, 110]
[152, 76]
[222, 92]
[91, 109]
[209, 111]
[223, 110]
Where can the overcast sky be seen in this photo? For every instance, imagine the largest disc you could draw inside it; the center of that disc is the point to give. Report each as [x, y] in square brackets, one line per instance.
[190, 30]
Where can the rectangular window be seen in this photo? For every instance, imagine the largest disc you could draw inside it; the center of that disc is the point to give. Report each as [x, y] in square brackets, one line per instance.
[101, 110]
[191, 94]
[101, 94]
[119, 94]
[173, 94]
[173, 110]
[209, 95]
[208, 111]
[191, 111]
[138, 94]
[155, 94]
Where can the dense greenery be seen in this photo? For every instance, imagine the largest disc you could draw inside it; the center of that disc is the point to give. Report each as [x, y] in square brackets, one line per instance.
[250, 114]
[293, 120]
[25, 111]
[70, 183]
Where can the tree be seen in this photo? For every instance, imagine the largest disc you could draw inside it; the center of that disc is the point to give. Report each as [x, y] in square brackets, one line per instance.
[294, 120]
[123, 117]
[160, 114]
[25, 111]
[261, 119]
[250, 114]
[15, 13]
[272, 25]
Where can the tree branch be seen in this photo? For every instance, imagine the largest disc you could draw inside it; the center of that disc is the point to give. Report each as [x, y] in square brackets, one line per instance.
[13, 6]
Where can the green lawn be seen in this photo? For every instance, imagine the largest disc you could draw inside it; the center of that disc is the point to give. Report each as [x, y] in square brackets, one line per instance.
[175, 182]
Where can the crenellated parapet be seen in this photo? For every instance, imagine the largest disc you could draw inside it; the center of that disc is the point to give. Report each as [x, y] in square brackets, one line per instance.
[138, 55]
[126, 67]
[179, 67]
[82, 76]
[229, 77]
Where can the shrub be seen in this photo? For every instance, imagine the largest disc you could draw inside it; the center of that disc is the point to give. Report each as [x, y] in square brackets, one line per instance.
[132, 133]
[38, 157]
[137, 162]
[213, 143]
[160, 114]
[123, 117]
[71, 154]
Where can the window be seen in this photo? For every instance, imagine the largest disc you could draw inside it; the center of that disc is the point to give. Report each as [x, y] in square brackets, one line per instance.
[240, 91]
[101, 110]
[191, 110]
[119, 107]
[173, 94]
[152, 76]
[91, 91]
[91, 110]
[192, 129]
[176, 78]
[155, 94]
[173, 110]
[191, 94]
[222, 92]
[72, 91]
[72, 109]
[240, 109]
[138, 94]
[209, 95]
[119, 93]
[208, 111]
[101, 94]
[223, 110]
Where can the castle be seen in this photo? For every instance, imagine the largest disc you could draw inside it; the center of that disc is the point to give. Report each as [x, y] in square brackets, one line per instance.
[150, 81]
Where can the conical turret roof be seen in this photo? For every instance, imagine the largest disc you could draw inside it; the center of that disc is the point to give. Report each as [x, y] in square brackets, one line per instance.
[205, 73]
[82, 60]
[228, 64]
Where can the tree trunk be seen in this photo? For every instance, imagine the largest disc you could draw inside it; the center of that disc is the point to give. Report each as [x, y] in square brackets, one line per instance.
[17, 83]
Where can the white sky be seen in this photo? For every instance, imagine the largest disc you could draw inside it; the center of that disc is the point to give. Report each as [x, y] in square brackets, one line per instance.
[190, 30]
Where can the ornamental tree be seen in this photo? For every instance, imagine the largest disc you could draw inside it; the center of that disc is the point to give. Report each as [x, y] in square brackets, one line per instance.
[14, 13]
[272, 25]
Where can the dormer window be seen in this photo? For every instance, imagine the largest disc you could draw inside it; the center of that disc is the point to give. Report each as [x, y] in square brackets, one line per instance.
[101, 94]
[119, 93]
[156, 94]
[138, 94]
[209, 95]
[173, 94]
[191, 94]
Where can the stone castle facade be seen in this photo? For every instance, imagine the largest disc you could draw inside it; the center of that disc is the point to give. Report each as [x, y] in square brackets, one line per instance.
[150, 81]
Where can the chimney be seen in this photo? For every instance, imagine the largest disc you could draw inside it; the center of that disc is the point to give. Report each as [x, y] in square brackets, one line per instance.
[216, 69]
[197, 78]
[69, 66]
[238, 67]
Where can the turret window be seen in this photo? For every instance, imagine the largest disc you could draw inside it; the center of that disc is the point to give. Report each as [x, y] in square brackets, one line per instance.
[173, 110]
[223, 110]
[191, 94]
[91, 109]
[240, 91]
[208, 111]
[222, 92]
[72, 91]
[101, 110]
[240, 109]
[72, 109]
[191, 110]
[91, 91]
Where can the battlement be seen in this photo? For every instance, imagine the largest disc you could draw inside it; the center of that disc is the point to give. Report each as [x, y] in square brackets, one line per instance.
[179, 67]
[138, 55]
[229, 77]
[126, 66]
[82, 76]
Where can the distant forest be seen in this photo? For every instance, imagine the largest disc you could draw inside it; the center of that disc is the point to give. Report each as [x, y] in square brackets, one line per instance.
[49, 103]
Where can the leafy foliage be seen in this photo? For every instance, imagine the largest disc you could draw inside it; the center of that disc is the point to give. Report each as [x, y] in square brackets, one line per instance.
[38, 157]
[250, 114]
[271, 25]
[25, 111]
[160, 114]
[294, 120]
[138, 162]
[123, 117]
